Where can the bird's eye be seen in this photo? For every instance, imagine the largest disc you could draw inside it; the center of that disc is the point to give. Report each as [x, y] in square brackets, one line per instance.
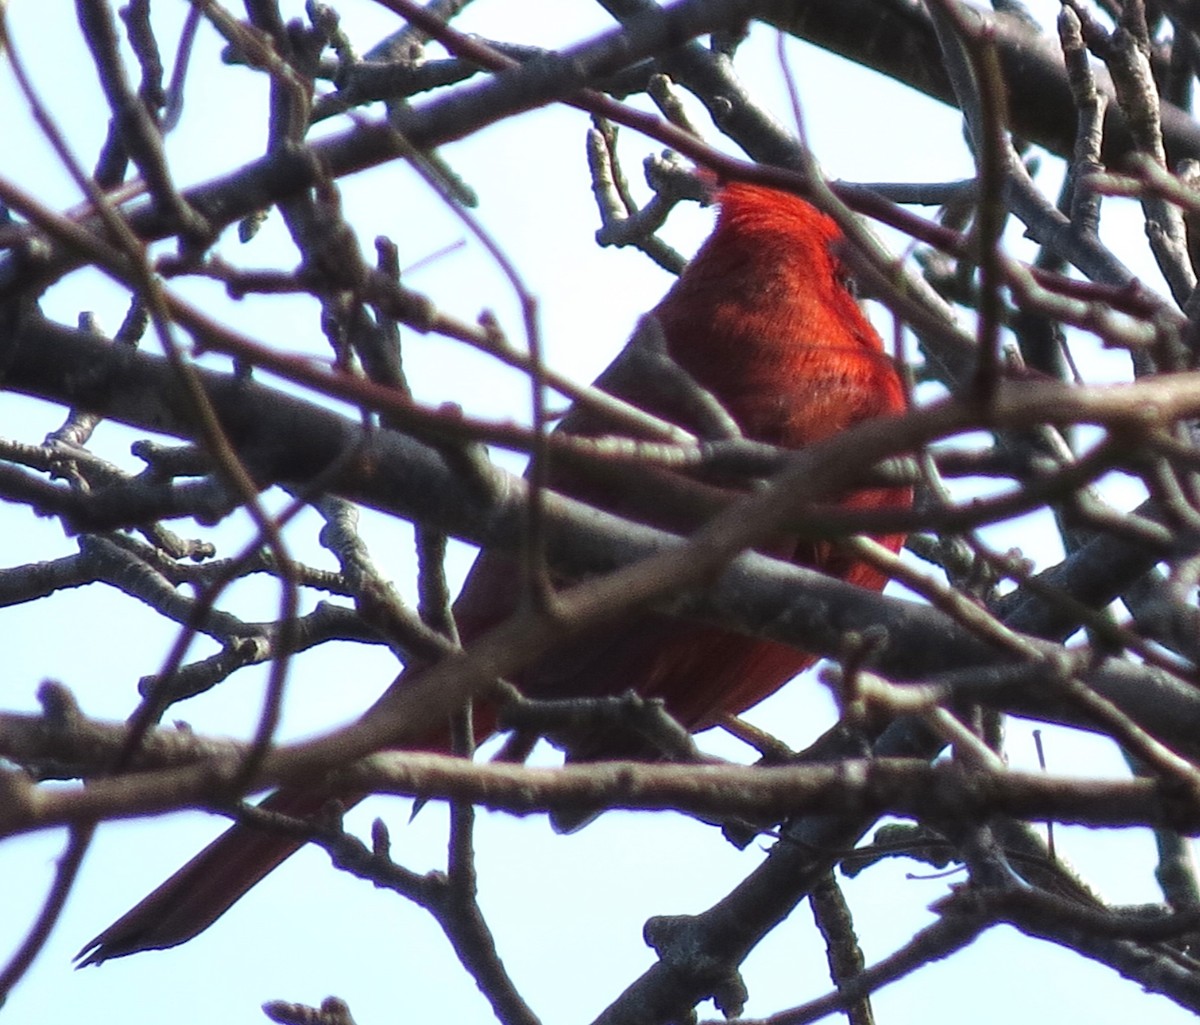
[846, 280]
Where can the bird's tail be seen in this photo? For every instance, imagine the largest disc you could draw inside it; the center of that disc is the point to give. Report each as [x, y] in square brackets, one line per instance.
[192, 899]
[210, 884]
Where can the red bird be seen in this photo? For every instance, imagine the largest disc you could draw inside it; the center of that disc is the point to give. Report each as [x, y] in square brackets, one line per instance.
[762, 319]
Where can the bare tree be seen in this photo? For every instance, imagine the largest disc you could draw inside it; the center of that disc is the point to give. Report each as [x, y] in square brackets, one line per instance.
[996, 333]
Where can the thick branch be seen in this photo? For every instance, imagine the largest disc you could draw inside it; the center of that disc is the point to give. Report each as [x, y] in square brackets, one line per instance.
[285, 439]
[902, 43]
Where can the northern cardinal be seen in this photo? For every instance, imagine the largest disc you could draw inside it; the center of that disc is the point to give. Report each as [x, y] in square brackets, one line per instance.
[761, 319]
